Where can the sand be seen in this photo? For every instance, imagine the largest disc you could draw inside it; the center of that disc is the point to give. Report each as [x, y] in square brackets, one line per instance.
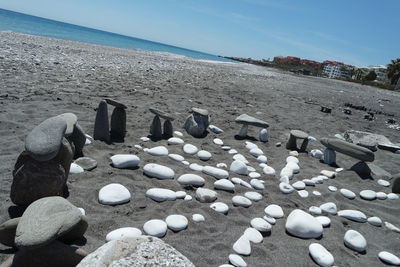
[42, 77]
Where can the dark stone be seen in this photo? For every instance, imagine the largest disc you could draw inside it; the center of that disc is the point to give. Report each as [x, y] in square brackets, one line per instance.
[155, 128]
[78, 138]
[65, 156]
[292, 142]
[196, 125]
[162, 114]
[200, 111]
[118, 124]
[396, 183]
[86, 163]
[249, 120]
[352, 150]
[115, 103]
[101, 125]
[7, 232]
[326, 109]
[168, 129]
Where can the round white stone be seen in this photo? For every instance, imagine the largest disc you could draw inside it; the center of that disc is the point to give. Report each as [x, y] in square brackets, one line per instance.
[381, 195]
[292, 159]
[317, 193]
[241, 201]
[254, 175]
[239, 167]
[253, 196]
[324, 220]
[299, 185]
[196, 167]
[177, 222]
[329, 174]
[321, 255]
[294, 153]
[389, 258]
[368, 194]
[218, 141]
[261, 225]
[221, 165]
[251, 169]
[155, 227]
[158, 151]
[198, 218]
[316, 153]
[121, 233]
[177, 133]
[125, 161]
[236, 180]
[75, 168]
[185, 162]
[262, 159]
[294, 166]
[176, 157]
[308, 182]
[138, 147]
[257, 184]
[236, 260]
[204, 155]
[315, 210]
[286, 188]
[188, 198]
[275, 211]
[220, 207]
[250, 145]
[114, 194]
[241, 158]
[232, 151]
[144, 139]
[158, 171]
[224, 184]
[215, 172]
[355, 241]
[205, 195]
[191, 179]
[242, 246]
[329, 207]
[347, 193]
[383, 182]
[302, 193]
[392, 196]
[286, 172]
[256, 152]
[392, 227]
[175, 141]
[332, 188]
[317, 180]
[190, 149]
[226, 148]
[375, 221]
[180, 194]
[353, 215]
[253, 235]
[269, 219]
[161, 194]
[304, 225]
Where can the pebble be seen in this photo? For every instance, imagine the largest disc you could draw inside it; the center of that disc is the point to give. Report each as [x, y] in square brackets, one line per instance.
[353, 215]
[250, 145]
[392, 196]
[86, 163]
[368, 194]
[205, 195]
[355, 241]
[274, 211]
[292, 159]
[204, 155]
[239, 167]
[257, 184]
[302, 193]
[253, 235]
[198, 218]
[392, 227]
[175, 141]
[294, 153]
[155, 227]
[317, 180]
[157, 151]
[75, 169]
[253, 196]
[196, 167]
[176, 157]
[286, 188]
[383, 182]
[232, 151]
[236, 180]
[256, 152]
[389, 258]
[329, 174]
[287, 172]
[269, 219]
[144, 139]
[329, 207]
[226, 148]
[191, 179]
[312, 139]
[262, 159]
[262, 165]
[309, 182]
[190, 149]
[339, 169]
[315, 210]
[299, 185]
[242, 246]
[158, 171]
[236, 260]
[188, 198]
[185, 162]
[177, 222]
[241, 201]
[261, 225]
[324, 220]
[332, 188]
[121, 233]
[221, 165]
[302, 224]
[241, 158]
[294, 166]
[220, 207]
[375, 221]
[218, 141]
[224, 184]
[122, 161]
[215, 129]
[254, 175]
[161, 194]
[180, 194]
[381, 195]
[347, 193]
[114, 194]
[278, 144]
[317, 193]
[321, 255]
[177, 133]
[215, 172]
[251, 169]
[316, 153]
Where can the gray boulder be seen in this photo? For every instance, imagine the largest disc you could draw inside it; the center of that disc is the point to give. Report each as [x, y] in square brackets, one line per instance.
[71, 120]
[168, 130]
[197, 123]
[78, 139]
[155, 128]
[118, 124]
[101, 125]
[86, 163]
[247, 120]
[396, 183]
[365, 139]
[349, 149]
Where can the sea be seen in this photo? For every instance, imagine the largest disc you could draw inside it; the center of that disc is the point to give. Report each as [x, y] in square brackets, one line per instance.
[23, 23]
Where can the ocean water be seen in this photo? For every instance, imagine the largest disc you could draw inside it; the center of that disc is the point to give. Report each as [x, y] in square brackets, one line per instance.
[18, 22]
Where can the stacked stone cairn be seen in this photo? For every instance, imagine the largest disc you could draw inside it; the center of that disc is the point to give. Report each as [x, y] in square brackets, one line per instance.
[155, 128]
[297, 135]
[196, 124]
[246, 120]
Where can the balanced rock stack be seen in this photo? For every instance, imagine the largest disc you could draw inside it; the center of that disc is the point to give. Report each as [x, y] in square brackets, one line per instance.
[247, 120]
[155, 127]
[42, 169]
[197, 123]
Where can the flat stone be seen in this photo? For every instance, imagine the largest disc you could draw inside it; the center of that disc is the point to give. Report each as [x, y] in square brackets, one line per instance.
[114, 194]
[144, 139]
[248, 120]
[249, 145]
[353, 215]
[215, 129]
[224, 184]
[200, 111]
[262, 159]
[232, 151]
[303, 225]
[303, 193]
[177, 222]
[368, 194]
[375, 221]
[220, 207]
[292, 159]
[269, 219]
[321, 255]
[71, 120]
[196, 167]
[158, 171]
[191, 179]
[158, 151]
[352, 150]
[269, 171]
[275, 211]
[316, 153]
[241, 201]
[236, 260]
[389, 258]
[347, 193]
[215, 172]
[317, 193]
[329, 174]
[161, 114]
[46, 220]
[299, 185]
[198, 218]
[155, 227]
[261, 225]
[180, 194]
[242, 246]
[355, 241]
[383, 183]
[329, 207]
[392, 227]
[86, 163]
[218, 141]
[175, 141]
[44, 141]
[185, 162]
[257, 184]
[381, 195]
[392, 196]
[226, 148]
[365, 139]
[241, 158]
[206, 195]
[161, 194]
[299, 134]
[188, 198]
[115, 103]
[178, 133]
[75, 169]
[286, 188]
[239, 167]
[332, 188]
[122, 161]
[124, 232]
[190, 149]
[324, 220]
[204, 155]
[253, 196]
[315, 210]
[176, 157]
[253, 235]
[256, 152]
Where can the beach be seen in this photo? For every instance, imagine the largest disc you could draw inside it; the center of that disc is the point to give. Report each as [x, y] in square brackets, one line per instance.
[43, 77]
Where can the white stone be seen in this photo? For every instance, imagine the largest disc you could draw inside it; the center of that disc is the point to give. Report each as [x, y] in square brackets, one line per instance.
[220, 207]
[204, 155]
[262, 159]
[304, 225]
[275, 211]
[239, 167]
[254, 175]
[155, 227]
[368, 194]
[232, 151]
[286, 171]
[185, 162]
[158, 151]
[188, 198]
[392, 227]
[125, 161]
[205, 195]
[88, 142]
[253, 235]
[347, 193]
[251, 169]
[286, 188]
[383, 182]
[121, 233]
[224, 184]
[308, 182]
[175, 141]
[246, 184]
[317, 180]
[114, 194]
[221, 165]
[302, 193]
[263, 165]
[294, 166]
[381, 195]
[261, 225]
[332, 188]
[236, 180]
[196, 167]
[284, 179]
[253, 196]
[292, 159]
[176, 157]
[355, 241]
[324, 220]
[353, 215]
[339, 170]
[236, 260]
[177, 222]
[241, 201]
[191, 179]
[257, 184]
[158, 171]
[312, 139]
[82, 211]
[226, 148]
[389, 258]
[375, 221]
[161, 194]
[256, 152]
[269, 219]
[242, 246]
[144, 139]
[138, 147]
[198, 218]
[190, 149]
[263, 135]
[177, 133]
[294, 153]
[250, 145]
[321, 255]
[329, 174]
[218, 141]
[316, 153]
[241, 158]
[299, 185]
[392, 196]
[329, 207]
[215, 172]
[75, 169]
[315, 210]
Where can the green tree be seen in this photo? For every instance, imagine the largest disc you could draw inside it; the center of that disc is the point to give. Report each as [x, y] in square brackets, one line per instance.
[358, 74]
[371, 76]
[393, 71]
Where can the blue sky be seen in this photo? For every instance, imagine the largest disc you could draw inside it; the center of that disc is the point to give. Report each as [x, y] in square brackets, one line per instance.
[359, 32]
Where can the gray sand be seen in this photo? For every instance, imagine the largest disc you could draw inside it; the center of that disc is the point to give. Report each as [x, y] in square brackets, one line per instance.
[42, 77]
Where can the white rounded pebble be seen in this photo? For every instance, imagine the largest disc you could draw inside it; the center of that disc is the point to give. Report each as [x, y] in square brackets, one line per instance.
[218, 141]
[226, 148]
[262, 159]
[221, 165]
[329, 174]
[239, 167]
[269, 219]
[161, 194]
[190, 149]
[375, 221]
[155, 227]
[215, 172]
[177, 222]
[224, 184]
[329, 207]
[381, 195]
[121, 233]
[392, 227]
[245, 184]
[191, 179]
[302, 193]
[392, 196]
[220, 207]
[261, 225]
[294, 153]
[158, 151]
[232, 151]
[176, 157]
[269, 171]
[188, 198]
[241, 201]
[299, 185]
[302, 224]
[205, 195]
[321, 255]
[236, 260]
[309, 182]
[317, 180]
[332, 188]
[294, 166]
[125, 161]
[251, 169]
[158, 171]
[196, 167]
[82, 211]
[389, 258]
[185, 162]
[254, 175]
[144, 139]
[324, 220]
[275, 211]
[355, 241]
[75, 169]
[242, 246]
[368, 194]
[236, 180]
[286, 172]
[353, 215]
[241, 158]
[383, 182]
[347, 193]
[175, 141]
[256, 152]
[177, 133]
[253, 235]
[315, 210]
[204, 155]
[292, 159]
[257, 184]
[316, 153]
[250, 145]
[138, 147]
[114, 194]
[262, 165]
[198, 218]
[286, 188]
[253, 196]
[180, 194]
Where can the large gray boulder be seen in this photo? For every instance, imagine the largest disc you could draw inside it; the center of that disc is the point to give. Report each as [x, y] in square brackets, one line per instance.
[246, 121]
[197, 123]
[101, 124]
[349, 149]
[365, 139]
[139, 251]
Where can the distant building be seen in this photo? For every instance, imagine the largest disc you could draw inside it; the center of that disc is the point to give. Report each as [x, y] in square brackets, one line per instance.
[289, 60]
[381, 72]
[335, 69]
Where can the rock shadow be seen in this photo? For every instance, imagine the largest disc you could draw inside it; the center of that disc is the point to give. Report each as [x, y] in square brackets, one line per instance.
[237, 137]
[362, 169]
[16, 211]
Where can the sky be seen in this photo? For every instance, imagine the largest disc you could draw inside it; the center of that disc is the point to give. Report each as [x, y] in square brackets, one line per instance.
[357, 32]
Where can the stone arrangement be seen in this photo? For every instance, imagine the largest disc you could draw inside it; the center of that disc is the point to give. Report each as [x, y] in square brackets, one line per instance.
[247, 121]
[196, 124]
[294, 136]
[156, 132]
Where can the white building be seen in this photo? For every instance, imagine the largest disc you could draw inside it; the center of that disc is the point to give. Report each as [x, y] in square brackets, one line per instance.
[381, 72]
[337, 71]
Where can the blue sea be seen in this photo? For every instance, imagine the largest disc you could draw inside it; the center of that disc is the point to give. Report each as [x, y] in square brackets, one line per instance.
[18, 22]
